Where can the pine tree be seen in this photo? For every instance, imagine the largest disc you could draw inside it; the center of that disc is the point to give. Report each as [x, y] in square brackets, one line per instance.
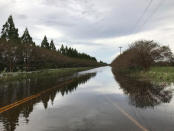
[27, 39]
[52, 46]
[71, 52]
[66, 50]
[62, 50]
[9, 32]
[45, 43]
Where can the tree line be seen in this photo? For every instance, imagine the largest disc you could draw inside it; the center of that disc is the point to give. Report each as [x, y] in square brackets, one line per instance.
[68, 51]
[21, 53]
[142, 55]
[10, 34]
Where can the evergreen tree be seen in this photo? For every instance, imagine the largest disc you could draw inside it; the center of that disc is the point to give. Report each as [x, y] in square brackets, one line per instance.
[71, 52]
[27, 39]
[9, 32]
[45, 43]
[74, 53]
[62, 50]
[52, 46]
[66, 50]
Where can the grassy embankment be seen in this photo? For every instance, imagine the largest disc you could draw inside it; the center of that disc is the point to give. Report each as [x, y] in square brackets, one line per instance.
[41, 73]
[156, 74]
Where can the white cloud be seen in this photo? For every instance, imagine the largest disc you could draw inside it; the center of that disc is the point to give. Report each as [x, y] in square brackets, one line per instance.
[51, 33]
[97, 27]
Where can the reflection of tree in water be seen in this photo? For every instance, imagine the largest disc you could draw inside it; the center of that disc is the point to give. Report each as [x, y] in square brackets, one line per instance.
[10, 118]
[74, 84]
[143, 94]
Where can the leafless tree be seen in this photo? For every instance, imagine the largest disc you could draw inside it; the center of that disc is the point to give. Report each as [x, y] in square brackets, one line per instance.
[143, 54]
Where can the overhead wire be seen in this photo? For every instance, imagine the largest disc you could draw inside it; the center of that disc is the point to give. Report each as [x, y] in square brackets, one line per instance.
[153, 13]
[150, 16]
[146, 9]
[143, 14]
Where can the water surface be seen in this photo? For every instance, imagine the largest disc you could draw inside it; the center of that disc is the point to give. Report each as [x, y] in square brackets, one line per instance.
[94, 100]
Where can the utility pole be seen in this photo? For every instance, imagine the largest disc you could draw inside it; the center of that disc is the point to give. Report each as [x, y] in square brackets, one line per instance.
[120, 49]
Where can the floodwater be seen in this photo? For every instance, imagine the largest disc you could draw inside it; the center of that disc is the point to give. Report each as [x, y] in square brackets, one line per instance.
[94, 100]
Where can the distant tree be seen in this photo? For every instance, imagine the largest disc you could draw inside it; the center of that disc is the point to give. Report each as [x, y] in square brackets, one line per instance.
[143, 54]
[27, 51]
[45, 43]
[27, 39]
[52, 46]
[68, 51]
[62, 50]
[9, 32]
[101, 62]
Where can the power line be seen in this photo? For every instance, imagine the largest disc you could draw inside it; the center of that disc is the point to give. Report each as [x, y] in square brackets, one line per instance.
[143, 14]
[141, 17]
[153, 13]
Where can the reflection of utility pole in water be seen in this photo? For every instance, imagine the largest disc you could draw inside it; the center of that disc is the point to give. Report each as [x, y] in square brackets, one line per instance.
[120, 49]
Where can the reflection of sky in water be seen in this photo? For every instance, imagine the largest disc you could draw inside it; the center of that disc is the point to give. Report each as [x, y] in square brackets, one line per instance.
[104, 84]
[87, 108]
[97, 85]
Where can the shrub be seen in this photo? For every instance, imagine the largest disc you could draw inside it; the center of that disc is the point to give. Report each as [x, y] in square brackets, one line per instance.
[142, 55]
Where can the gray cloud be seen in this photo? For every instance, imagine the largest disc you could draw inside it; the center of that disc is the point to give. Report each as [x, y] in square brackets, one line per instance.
[85, 21]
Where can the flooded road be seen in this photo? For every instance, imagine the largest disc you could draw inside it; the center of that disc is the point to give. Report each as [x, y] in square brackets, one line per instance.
[94, 100]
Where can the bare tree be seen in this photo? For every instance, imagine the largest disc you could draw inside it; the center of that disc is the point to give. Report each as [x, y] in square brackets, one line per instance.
[143, 54]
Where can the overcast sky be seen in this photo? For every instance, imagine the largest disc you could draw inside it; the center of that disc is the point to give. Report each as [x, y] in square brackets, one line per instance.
[96, 27]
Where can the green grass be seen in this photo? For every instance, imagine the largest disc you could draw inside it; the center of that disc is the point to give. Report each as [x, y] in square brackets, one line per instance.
[42, 73]
[157, 74]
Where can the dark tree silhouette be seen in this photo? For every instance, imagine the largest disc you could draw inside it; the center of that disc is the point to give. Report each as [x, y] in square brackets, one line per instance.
[45, 43]
[52, 46]
[27, 39]
[74, 53]
[9, 32]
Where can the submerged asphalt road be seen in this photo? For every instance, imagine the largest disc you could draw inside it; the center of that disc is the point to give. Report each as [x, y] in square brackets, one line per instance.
[94, 100]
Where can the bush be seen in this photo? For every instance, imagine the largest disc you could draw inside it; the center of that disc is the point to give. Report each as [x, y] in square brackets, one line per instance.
[142, 55]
